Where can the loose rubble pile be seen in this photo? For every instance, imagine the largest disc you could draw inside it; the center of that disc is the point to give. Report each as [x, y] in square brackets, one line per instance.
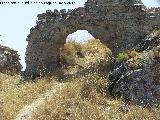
[9, 60]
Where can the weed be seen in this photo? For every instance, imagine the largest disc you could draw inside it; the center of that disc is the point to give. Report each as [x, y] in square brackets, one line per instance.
[122, 57]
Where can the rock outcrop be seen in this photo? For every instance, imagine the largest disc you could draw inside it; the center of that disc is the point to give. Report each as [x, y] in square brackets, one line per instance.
[9, 60]
[141, 84]
[120, 24]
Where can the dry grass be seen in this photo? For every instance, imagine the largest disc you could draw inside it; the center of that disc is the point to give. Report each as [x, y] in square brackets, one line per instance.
[96, 54]
[14, 96]
[133, 53]
[91, 53]
[155, 33]
[78, 100]
[69, 52]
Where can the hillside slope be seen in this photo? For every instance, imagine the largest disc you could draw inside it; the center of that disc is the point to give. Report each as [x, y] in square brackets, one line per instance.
[77, 98]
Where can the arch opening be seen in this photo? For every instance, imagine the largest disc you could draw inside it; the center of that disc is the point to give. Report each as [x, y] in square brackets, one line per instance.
[83, 51]
[79, 36]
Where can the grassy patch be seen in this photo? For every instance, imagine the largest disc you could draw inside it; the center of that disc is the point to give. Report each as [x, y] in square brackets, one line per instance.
[87, 56]
[69, 53]
[83, 97]
[122, 57]
[79, 99]
[155, 33]
[14, 96]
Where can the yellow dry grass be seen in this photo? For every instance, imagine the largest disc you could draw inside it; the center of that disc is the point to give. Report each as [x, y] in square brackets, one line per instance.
[155, 33]
[90, 53]
[14, 96]
[79, 99]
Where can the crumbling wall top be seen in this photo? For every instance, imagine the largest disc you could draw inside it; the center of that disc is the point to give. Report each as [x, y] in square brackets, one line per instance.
[9, 60]
[3, 48]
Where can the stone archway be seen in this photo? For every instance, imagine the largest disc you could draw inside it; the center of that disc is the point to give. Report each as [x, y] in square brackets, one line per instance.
[46, 39]
[117, 25]
[50, 33]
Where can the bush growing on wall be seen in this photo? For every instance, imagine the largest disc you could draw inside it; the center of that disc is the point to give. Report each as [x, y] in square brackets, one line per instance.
[122, 57]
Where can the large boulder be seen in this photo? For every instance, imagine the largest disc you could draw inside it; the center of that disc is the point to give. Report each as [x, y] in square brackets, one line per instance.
[141, 84]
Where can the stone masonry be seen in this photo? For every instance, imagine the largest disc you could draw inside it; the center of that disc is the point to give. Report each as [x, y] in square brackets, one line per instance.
[9, 60]
[119, 24]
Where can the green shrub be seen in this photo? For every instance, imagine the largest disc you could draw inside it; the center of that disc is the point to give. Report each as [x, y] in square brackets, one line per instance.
[122, 57]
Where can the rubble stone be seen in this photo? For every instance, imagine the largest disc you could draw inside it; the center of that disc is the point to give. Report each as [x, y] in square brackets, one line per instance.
[139, 85]
[9, 60]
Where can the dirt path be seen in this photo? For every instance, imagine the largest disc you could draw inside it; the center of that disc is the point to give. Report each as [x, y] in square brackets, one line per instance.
[26, 112]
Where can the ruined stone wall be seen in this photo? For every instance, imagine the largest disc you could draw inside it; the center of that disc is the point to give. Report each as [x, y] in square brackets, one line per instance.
[153, 17]
[117, 23]
[9, 60]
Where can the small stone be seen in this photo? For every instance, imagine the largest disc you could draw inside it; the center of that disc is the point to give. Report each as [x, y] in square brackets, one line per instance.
[124, 108]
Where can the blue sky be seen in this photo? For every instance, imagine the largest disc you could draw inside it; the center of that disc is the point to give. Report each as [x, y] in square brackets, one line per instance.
[16, 21]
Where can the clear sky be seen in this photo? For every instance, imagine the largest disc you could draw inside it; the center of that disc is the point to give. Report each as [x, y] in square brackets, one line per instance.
[16, 21]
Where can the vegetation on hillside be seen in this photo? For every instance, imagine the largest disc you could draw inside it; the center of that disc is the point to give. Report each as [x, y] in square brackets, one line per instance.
[79, 99]
[155, 33]
[89, 56]
[15, 95]
[83, 97]
[122, 57]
